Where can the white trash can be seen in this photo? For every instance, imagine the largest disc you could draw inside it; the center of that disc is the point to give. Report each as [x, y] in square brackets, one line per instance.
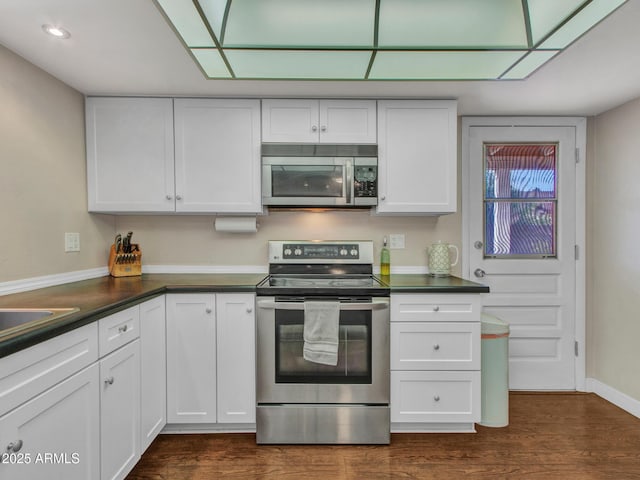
[495, 371]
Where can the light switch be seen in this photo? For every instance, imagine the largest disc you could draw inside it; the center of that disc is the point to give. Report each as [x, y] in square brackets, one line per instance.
[71, 242]
[396, 240]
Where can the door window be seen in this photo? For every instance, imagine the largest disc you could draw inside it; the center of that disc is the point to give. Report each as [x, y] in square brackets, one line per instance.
[520, 200]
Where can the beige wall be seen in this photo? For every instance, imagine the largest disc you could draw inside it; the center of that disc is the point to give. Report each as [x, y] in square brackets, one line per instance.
[192, 240]
[613, 262]
[43, 176]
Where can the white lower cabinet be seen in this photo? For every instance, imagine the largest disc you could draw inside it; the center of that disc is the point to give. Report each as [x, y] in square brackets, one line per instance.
[236, 362]
[55, 435]
[153, 370]
[435, 362]
[210, 358]
[120, 411]
[191, 358]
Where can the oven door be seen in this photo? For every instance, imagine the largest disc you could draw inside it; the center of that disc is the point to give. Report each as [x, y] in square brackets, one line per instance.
[361, 375]
[304, 181]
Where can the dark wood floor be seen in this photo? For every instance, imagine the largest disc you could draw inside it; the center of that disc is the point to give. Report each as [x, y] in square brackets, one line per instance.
[550, 436]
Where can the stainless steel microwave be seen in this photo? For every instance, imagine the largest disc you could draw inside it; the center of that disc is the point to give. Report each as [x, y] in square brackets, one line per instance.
[300, 175]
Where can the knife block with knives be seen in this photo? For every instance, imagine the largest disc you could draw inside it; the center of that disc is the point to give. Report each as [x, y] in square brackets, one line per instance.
[125, 258]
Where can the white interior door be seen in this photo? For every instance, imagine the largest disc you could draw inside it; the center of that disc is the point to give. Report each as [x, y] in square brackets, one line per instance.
[522, 244]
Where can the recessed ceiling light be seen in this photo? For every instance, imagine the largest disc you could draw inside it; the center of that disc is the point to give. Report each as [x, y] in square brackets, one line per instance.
[57, 32]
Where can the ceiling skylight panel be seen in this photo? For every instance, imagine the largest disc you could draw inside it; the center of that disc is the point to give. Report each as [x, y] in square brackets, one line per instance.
[187, 21]
[211, 62]
[546, 15]
[299, 64]
[581, 22]
[300, 23]
[442, 65]
[214, 11]
[452, 23]
[529, 64]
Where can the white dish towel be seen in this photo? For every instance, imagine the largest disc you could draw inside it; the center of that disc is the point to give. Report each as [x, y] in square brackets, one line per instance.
[321, 327]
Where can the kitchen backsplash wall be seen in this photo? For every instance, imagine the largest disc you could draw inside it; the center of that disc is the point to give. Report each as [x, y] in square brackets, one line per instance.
[43, 176]
[192, 240]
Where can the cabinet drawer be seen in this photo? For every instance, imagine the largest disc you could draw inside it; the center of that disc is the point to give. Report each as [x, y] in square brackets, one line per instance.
[118, 329]
[450, 307]
[29, 372]
[435, 397]
[435, 346]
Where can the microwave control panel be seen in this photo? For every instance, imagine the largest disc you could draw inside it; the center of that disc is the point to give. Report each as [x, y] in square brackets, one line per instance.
[366, 181]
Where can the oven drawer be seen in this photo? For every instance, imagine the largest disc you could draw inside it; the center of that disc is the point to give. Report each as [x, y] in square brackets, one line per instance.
[448, 307]
[435, 397]
[435, 346]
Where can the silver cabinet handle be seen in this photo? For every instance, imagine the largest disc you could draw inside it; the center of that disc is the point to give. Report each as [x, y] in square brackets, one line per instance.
[383, 198]
[178, 197]
[249, 310]
[436, 347]
[109, 381]
[436, 308]
[271, 305]
[123, 328]
[169, 197]
[323, 128]
[208, 310]
[14, 447]
[478, 272]
[314, 128]
[436, 398]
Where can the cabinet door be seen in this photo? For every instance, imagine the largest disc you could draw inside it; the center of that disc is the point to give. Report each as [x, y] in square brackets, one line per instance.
[290, 121]
[55, 435]
[191, 358]
[130, 154]
[120, 411]
[348, 121]
[417, 156]
[217, 156]
[236, 358]
[153, 369]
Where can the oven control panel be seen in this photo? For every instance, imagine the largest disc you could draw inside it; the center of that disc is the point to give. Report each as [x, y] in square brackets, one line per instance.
[320, 251]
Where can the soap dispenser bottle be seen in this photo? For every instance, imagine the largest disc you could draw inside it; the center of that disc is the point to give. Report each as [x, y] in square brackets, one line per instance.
[385, 259]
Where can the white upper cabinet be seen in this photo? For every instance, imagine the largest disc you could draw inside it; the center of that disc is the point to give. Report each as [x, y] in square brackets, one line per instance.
[318, 121]
[131, 166]
[130, 154]
[217, 156]
[417, 156]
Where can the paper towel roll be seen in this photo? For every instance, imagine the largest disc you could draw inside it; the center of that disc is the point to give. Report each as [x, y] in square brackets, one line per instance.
[236, 224]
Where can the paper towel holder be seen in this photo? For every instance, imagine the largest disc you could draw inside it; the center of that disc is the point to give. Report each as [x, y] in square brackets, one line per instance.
[247, 224]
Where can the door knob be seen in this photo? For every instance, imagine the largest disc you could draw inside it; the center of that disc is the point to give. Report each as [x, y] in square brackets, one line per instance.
[478, 272]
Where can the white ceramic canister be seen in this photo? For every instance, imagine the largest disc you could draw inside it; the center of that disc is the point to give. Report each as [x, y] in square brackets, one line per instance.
[439, 259]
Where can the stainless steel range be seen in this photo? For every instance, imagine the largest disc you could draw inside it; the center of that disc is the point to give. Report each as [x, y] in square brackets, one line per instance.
[322, 345]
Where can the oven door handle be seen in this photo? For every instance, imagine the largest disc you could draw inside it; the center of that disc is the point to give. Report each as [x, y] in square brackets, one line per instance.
[271, 305]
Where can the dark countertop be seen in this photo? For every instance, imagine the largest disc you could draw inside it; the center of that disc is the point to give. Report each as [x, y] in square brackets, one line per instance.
[424, 283]
[99, 297]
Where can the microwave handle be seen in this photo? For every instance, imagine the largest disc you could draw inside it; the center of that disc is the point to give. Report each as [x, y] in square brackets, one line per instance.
[349, 181]
[271, 305]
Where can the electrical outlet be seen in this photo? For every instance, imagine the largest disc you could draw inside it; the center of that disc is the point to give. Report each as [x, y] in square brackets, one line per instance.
[71, 242]
[396, 240]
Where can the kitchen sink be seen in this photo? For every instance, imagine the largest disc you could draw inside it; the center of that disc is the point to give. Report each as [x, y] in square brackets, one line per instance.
[17, 319]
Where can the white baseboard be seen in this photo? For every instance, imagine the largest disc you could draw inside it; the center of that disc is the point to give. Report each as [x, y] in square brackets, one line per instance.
[24, 285]
[622, 400]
